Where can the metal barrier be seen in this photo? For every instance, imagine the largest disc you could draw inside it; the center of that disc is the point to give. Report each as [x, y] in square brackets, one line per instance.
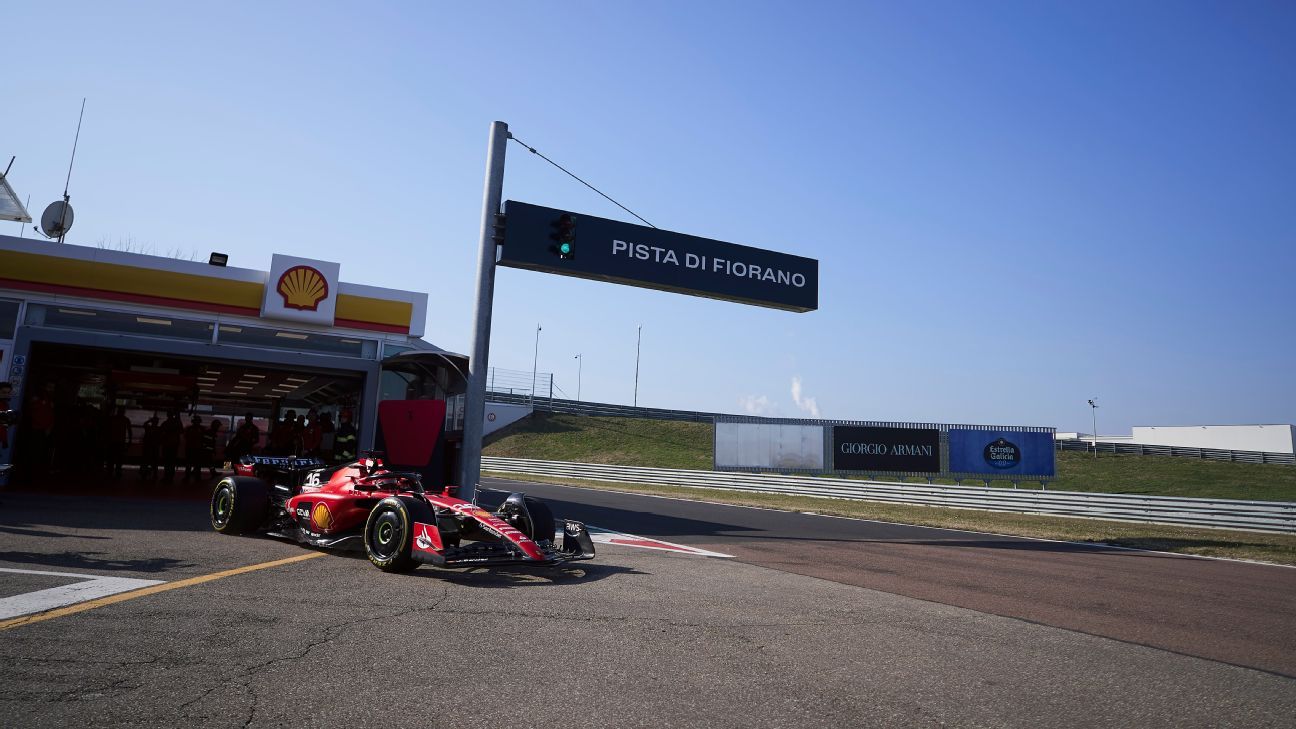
[1208, 454]
[1266, 516]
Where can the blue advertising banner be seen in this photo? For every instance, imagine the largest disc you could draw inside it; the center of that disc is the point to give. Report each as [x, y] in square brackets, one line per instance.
[1000, 453]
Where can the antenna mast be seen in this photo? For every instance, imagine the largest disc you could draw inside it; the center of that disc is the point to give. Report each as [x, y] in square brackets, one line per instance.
[68, 181]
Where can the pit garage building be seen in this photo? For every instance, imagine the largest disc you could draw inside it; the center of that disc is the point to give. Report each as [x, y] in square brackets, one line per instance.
[94, 329]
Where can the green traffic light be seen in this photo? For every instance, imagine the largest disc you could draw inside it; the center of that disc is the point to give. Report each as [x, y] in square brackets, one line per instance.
[565, 248]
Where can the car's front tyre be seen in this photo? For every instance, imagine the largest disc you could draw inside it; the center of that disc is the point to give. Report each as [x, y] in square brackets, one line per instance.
[389, 536]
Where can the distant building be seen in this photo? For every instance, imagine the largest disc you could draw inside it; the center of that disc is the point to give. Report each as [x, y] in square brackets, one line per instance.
[1268, 438]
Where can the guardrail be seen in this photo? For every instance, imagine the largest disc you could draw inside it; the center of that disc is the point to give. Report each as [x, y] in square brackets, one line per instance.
[1209, 454]
[1266, 516]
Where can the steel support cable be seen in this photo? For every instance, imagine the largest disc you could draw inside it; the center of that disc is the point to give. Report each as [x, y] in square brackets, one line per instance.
[532, 150]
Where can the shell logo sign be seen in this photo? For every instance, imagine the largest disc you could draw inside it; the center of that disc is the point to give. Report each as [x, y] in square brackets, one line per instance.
[301, 290]
[321, 517]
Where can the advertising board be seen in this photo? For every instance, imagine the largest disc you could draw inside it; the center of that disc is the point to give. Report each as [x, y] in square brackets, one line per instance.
[786, 446]
[880, 448]
[1000, 453]
[301, 290]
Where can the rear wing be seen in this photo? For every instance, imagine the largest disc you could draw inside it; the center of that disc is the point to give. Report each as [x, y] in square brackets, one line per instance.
[284, 463]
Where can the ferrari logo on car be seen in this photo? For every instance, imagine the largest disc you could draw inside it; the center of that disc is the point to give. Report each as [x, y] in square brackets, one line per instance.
[426, 537]
[321, 517]
[302, 288]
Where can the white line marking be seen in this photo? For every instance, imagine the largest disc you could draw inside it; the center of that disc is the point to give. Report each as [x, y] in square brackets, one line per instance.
[621, 539]
[90, 587]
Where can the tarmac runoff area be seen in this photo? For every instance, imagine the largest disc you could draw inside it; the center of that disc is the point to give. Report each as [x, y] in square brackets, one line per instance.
[637, 637]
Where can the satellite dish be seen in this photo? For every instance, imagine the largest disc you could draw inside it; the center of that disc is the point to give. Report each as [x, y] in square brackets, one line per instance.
[57, 219]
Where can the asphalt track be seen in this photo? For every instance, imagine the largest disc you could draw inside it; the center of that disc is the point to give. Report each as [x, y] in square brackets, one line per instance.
[1229, 611]
[635, 638]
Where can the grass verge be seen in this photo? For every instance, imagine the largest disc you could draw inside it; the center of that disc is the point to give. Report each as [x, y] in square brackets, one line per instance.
[617, 441]
[1261, 547]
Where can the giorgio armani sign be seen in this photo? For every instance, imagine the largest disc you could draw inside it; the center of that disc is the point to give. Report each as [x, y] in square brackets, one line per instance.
[874, 448]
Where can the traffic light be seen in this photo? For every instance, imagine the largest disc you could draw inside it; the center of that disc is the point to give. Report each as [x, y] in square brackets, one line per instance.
[564, 236]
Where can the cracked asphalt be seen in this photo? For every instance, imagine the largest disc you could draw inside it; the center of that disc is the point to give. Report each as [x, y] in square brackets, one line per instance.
[636, 638]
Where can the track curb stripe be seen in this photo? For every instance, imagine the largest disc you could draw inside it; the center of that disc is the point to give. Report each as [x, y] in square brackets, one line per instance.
[124, 596]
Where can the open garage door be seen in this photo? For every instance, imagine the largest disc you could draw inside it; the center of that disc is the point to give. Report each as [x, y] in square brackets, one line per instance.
[99, 418]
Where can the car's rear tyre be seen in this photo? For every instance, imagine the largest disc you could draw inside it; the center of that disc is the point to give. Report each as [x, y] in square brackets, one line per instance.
[389, 536]
[239, 505]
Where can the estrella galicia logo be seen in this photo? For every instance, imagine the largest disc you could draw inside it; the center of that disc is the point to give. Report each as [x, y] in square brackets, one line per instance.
[1002, 454]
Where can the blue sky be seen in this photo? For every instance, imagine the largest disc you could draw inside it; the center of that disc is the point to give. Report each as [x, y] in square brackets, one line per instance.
[1016, 206]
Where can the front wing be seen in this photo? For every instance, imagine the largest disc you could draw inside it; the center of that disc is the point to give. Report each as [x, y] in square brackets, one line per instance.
[573, 544]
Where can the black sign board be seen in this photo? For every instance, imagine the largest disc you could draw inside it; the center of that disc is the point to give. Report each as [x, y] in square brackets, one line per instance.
[913, 450]
[574, 244]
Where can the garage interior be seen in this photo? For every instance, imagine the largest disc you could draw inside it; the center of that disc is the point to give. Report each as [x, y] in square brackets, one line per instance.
[86, 384]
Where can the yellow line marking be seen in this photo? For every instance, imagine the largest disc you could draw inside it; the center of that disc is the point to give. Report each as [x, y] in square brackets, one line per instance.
[124, 596]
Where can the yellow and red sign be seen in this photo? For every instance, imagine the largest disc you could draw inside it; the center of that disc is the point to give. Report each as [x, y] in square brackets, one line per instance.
[300, 289]
[303, 288]
[321, 517]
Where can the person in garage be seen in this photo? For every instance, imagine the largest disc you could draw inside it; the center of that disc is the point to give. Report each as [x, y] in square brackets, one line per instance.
[193, 445]
[210, 437]
[150, 442]
[120, 436]
[169, 435]
[244, 441]
[344, 440]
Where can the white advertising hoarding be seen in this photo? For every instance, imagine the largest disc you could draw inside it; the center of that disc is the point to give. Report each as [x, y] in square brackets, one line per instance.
[769, 445]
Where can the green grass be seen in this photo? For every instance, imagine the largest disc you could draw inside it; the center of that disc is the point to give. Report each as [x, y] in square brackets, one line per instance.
[617, 441]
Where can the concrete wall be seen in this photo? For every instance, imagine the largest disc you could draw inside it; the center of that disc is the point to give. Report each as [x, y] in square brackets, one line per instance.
[499, 415]
[1270, 438]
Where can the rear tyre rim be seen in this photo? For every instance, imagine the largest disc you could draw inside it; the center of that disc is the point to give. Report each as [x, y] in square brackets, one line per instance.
[222, 508]
[387, 536]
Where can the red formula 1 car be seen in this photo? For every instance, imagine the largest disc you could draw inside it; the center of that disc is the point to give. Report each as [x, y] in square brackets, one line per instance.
[390, 516]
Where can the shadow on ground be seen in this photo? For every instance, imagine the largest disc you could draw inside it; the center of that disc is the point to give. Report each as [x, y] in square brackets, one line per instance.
[49, 515]
[91, 561]
[504, 577]
[686, 522]
[643, 523]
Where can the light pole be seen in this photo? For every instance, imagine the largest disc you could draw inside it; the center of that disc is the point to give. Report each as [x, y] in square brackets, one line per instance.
[478, 363]
[1093, 406]
[638, 342]
[579, 364]
[535, 362]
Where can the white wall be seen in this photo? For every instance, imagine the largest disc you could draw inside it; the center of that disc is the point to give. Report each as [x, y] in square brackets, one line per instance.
[769, 445]
[499, 415]
[1271, 438]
